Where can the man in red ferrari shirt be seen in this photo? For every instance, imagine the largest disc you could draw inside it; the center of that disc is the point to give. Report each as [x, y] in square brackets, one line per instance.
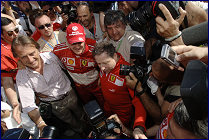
[9, 64]
[76, 55]
[119, 99]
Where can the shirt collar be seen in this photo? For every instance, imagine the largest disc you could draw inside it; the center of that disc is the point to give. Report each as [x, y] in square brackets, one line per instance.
[5, 44]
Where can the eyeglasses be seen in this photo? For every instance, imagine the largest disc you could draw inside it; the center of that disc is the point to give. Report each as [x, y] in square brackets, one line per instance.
[50, 9]
[45, 25]
[10, 33]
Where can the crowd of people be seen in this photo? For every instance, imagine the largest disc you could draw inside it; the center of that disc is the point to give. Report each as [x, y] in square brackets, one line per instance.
[56, 57]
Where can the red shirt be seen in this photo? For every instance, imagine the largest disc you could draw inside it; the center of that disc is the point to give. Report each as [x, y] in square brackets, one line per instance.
[162, 132]
[73, 62]
[119, 99]
[8, 62]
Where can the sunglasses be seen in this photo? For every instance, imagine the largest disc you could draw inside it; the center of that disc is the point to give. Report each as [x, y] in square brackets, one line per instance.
[45, 25]
[10, 33]
[50, 9]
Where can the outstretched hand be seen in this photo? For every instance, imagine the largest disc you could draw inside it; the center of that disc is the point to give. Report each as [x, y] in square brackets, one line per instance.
[169, 27]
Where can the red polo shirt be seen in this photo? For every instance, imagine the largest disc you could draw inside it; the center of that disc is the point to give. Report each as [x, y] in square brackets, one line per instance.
[8, 62]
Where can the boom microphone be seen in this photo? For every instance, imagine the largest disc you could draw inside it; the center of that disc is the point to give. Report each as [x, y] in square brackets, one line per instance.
[196, 35]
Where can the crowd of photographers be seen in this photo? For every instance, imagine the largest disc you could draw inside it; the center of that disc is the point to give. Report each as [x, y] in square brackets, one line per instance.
[104, 69]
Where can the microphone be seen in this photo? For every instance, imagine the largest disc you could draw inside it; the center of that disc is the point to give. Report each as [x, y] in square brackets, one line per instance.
[196, 35]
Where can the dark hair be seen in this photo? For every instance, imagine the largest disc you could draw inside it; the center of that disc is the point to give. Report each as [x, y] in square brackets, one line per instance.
[4, 22]
[85, 4]
[104, 47]
[197, 127]
[23, 41]
[35, 14]
[113, 16]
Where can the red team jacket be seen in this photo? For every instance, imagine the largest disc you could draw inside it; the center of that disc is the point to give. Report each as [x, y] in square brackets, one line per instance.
[78, 64]
[119, 99]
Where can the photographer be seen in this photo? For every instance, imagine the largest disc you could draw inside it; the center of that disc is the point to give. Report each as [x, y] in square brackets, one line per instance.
[183, 126]
[90, 21]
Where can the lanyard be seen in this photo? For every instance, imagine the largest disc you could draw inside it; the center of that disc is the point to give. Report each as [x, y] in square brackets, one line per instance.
[94, 33]
[48, 42]
[119, 45]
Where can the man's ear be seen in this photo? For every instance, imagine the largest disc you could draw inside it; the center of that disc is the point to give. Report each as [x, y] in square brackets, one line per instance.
[115, 56]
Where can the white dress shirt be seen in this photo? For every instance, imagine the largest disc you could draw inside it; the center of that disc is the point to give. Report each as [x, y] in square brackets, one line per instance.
[53, 83]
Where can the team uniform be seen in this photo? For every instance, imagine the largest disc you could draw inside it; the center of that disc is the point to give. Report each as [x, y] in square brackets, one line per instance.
[119, 99]
[82, 69]
[8, 62]
[162, 132]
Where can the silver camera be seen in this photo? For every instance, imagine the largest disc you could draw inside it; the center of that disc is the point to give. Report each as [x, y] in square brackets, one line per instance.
[169, 55]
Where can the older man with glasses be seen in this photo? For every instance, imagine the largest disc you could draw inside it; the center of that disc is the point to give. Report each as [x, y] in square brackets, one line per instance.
[49, 38]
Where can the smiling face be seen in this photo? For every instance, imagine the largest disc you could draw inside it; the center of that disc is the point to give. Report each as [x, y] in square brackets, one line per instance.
[116, 31]
[105, 62]
[29, 56]
[77, 48]
[84, 15]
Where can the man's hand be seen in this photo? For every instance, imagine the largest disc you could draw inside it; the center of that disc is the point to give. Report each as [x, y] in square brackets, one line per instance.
[169, 27]
[187, 53]
[138, 134]
[17, 113]
[124, 129]
[131, 81]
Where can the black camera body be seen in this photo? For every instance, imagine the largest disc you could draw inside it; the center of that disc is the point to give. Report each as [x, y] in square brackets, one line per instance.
[143, 20]
[67, 9]
[101, 126]
[49, 132]
[140, 67]
[70, 10]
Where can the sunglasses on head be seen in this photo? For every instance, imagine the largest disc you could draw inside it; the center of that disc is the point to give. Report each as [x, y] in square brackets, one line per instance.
[10, 33]
[50, 9]
[45, 25]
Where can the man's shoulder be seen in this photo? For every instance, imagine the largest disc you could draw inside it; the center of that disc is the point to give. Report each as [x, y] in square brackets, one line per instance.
[60, 47]
[60, 33]
[21, 76]
[133, 35]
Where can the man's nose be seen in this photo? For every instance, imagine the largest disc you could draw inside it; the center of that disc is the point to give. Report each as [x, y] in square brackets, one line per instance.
[114, 31]
[30, 59]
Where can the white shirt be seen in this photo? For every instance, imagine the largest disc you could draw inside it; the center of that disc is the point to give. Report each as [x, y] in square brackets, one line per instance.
[53, 83]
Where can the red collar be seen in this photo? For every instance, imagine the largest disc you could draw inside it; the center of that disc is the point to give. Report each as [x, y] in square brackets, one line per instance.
[5, 45]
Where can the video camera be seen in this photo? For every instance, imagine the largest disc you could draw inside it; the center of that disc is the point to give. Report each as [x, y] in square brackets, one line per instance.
[143, 20]
[101, 126]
